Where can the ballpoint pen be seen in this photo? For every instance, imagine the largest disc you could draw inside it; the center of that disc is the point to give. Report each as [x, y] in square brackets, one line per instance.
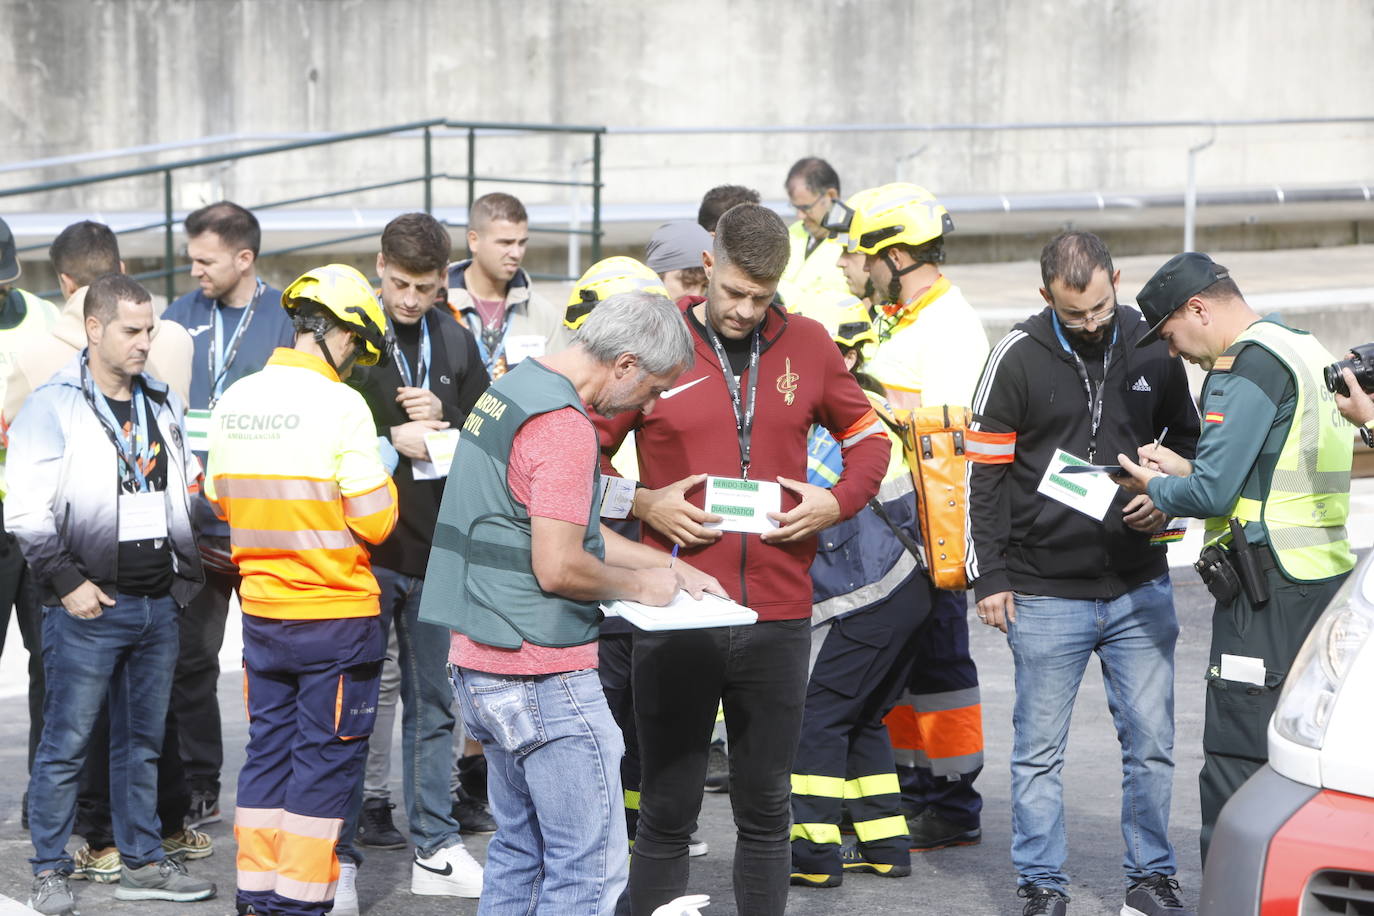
[1162, 433]
[673, 559]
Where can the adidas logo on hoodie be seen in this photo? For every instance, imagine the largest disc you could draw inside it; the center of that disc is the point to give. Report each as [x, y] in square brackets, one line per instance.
[1141, 385]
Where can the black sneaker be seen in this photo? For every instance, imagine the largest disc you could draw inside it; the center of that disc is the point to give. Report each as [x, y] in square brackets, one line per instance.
[1042, 900]
[472, 775]
[717, 768]
[802, 879]
[852, 860]
[931, 831]
[204, 808]
[472, 816]
[1156, 895]
[376, 828]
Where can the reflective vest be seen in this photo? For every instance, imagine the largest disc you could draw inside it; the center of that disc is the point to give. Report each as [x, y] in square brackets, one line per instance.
[810, 285]
[39, 317]
[480, 581]
[1307, 499]
[860, 561]
[295, 470]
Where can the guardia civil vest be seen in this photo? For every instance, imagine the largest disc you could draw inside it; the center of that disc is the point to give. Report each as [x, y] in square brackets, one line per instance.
[480, 579]
[1307, 499]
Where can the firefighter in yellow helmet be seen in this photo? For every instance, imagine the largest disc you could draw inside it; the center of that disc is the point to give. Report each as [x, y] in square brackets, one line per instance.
[295, 470]
[930, 350]
[605, 278]
[931, 344]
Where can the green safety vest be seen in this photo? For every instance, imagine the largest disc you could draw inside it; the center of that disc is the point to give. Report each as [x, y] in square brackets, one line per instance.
[39, 317]
[1307, 500]
[480, 580]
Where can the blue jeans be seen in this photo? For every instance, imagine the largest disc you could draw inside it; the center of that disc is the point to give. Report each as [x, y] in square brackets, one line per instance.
[553, 781]
[130, 650]
[426, 721]
[1051, 641]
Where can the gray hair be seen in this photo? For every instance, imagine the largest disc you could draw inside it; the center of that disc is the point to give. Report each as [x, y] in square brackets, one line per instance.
[647, 325]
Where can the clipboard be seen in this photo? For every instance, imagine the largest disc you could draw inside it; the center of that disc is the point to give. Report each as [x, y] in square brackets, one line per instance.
[684, 613]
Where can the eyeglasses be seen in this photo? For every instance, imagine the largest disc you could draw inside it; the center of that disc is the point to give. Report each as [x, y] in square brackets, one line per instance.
[1098, 317]
[806, 208]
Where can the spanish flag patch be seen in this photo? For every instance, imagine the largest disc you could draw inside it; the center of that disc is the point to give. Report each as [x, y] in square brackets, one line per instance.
[1214, 417]
[1223, 364]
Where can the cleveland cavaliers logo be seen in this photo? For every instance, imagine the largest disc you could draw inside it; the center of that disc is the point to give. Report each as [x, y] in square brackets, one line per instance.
[787, 383]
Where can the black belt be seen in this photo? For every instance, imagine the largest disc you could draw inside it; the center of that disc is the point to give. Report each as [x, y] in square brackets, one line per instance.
[1266, 556]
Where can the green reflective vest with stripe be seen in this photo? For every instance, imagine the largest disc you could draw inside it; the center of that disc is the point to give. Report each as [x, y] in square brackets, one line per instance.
[1307, 499]
[480, 580]
[39, 317]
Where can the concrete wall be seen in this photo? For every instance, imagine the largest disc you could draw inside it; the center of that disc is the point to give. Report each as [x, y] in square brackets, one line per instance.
[81, 75]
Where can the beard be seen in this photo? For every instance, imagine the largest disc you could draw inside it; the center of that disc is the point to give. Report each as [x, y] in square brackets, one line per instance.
[1088, 348]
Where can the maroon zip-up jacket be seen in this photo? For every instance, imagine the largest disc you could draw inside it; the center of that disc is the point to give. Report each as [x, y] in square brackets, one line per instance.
[802, 381]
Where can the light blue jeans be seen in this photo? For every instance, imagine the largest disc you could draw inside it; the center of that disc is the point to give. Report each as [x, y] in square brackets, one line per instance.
[1051, 642]
[553, 782]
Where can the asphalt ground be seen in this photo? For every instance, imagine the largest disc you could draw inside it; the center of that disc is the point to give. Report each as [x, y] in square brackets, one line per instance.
[968, 880]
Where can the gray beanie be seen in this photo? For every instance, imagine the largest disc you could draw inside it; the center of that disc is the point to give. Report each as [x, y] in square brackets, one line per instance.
[676, 246]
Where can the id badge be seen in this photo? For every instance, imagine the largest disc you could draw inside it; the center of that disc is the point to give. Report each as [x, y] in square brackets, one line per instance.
[617, 497]
[522, 346]
[142, 516]
[198, 430]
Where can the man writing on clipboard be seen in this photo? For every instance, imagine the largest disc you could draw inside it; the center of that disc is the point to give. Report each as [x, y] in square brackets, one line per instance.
[518, 567]
[762, 377]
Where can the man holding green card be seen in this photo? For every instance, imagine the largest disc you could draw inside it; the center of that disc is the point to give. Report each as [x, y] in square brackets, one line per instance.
[722, 459]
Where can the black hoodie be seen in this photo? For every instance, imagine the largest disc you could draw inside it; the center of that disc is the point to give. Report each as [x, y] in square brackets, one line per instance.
[1026, 542]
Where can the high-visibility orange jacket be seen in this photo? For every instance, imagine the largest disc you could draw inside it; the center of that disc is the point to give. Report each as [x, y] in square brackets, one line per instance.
[296, 471]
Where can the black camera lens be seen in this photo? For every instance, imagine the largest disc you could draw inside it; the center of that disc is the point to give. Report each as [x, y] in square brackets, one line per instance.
[1335, 382]
[1361, 363]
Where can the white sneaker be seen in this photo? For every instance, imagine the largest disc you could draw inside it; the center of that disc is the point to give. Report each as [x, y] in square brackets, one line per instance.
[450, 872]
[346, 892]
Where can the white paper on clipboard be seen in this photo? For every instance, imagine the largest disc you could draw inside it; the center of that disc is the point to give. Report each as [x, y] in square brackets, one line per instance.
[684, 613]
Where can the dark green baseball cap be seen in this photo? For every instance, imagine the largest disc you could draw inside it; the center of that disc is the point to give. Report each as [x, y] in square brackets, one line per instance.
[1181, 278]
[9, 259]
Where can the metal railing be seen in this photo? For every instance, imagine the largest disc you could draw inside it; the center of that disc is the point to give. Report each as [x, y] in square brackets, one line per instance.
[466, 136]
[423, 131]
[1071, 200]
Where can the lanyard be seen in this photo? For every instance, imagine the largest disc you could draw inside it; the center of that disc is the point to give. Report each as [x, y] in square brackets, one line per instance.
[1095, 397]
[220, 361]
[403, 363]
[136, 449]
[493, 342]
[744, 419]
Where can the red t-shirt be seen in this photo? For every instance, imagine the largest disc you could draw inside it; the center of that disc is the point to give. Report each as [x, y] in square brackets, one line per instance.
[491, 311]
[552, 464]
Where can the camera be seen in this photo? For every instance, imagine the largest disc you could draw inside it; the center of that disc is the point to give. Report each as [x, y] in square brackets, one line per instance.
[1361, 363]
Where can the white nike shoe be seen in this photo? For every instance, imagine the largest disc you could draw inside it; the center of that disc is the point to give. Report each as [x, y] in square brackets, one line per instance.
[346, 892]
[450, 872]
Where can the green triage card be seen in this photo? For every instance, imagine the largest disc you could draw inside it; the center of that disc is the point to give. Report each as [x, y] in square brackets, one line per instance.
[743, 505]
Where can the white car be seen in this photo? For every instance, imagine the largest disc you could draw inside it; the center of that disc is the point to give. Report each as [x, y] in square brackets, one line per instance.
[1298, 838]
